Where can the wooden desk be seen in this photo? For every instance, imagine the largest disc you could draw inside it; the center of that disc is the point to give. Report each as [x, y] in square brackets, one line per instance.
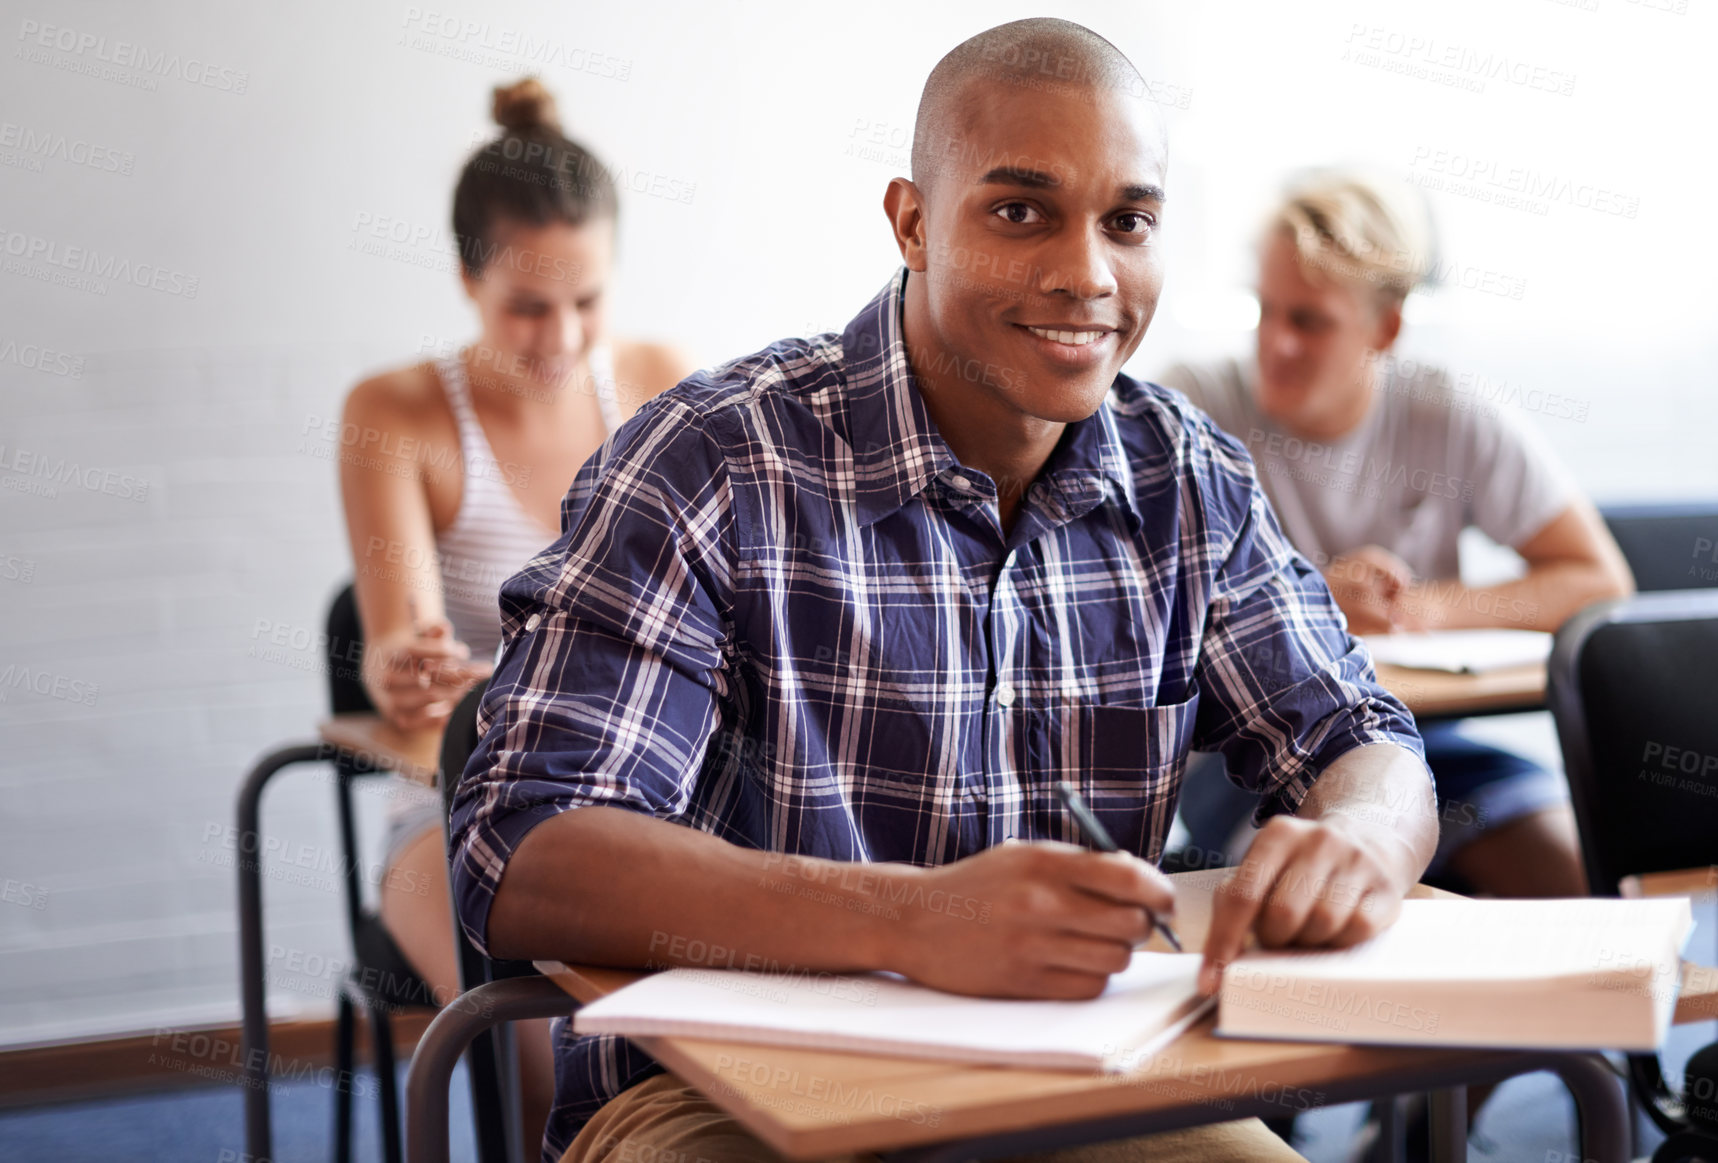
[371, 738]
[811, 1104]
[1435, 694]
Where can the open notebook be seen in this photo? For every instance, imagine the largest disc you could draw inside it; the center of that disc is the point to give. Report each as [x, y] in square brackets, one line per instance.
[1587, 974]
[1461, 651]
[1144, 1008]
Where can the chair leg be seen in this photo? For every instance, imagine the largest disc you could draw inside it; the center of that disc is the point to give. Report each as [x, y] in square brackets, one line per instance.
[382, 1031]
[253, 970]
[344, 1032]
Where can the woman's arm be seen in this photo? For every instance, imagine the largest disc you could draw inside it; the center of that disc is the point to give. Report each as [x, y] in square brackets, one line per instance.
[414, 669]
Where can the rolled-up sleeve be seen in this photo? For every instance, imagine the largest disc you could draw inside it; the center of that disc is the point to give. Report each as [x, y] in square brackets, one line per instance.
[1285, 689]
[614, 667]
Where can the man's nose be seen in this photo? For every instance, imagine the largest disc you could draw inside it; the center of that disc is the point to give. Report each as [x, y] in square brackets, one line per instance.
[1079, 264]
[1278, 341]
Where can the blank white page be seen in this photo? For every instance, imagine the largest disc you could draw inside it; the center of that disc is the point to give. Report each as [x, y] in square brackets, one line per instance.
[1502, 940]
[1142, 1009]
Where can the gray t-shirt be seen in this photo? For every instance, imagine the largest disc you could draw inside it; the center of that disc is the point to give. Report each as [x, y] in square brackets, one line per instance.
[1424, 464]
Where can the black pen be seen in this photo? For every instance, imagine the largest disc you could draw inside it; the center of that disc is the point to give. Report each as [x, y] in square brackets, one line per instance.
[1100, 840]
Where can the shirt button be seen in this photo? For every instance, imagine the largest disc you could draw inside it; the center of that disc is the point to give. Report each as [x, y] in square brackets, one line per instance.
[534, 621]
[1004, 695]
[960, 482]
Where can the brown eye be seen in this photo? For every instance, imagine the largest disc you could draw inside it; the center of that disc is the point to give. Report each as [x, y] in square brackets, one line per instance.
[1019, 213]
[1134, 223]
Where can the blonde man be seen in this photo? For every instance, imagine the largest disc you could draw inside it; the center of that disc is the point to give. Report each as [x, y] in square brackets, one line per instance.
[1374, 468]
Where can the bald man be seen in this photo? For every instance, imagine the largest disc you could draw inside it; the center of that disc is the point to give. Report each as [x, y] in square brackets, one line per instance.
[826, 625]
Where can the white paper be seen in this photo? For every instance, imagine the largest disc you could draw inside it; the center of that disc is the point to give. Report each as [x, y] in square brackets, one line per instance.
[1461, 651]
[1143, 1007]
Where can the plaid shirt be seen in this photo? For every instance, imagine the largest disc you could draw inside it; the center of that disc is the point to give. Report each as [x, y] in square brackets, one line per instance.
[781, 612]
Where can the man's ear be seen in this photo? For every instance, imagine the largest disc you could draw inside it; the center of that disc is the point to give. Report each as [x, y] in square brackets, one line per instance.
[1389, 327]
[905, 205]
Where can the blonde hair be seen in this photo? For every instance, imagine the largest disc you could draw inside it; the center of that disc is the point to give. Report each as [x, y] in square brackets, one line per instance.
[1363, 231]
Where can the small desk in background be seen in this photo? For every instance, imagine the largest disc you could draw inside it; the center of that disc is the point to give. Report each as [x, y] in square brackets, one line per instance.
[1435, 694]
[371, 739]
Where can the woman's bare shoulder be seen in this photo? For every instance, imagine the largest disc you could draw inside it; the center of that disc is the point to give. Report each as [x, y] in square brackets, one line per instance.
[650, 368]
[409, 396]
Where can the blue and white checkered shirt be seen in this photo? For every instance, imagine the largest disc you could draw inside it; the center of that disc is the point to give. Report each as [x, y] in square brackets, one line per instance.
[781, 612]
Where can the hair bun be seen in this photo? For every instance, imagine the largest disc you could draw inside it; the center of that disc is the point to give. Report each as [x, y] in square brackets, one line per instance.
[525, 105]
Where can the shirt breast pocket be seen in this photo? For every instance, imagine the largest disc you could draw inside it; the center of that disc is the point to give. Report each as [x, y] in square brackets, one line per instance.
[1127, 763]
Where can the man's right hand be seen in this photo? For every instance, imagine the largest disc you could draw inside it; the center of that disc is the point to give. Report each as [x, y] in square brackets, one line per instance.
[1366, 585]
[1051, 920]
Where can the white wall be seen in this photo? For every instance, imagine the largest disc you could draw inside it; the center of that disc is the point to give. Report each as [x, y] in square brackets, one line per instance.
[143, 603]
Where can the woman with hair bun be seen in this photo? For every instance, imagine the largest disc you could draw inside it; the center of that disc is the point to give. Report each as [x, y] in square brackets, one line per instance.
[464, 483]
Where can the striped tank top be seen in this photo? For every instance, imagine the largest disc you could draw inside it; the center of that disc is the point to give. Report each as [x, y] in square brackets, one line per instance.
[492, 536]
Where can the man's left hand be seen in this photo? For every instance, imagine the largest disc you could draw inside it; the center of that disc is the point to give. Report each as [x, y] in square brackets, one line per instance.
[1333, 882]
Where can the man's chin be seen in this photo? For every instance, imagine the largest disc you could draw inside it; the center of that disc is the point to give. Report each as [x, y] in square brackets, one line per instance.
[1067, 399]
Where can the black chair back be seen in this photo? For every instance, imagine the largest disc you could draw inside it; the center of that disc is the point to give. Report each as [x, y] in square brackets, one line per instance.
[1669, 547]
[346, 693]
[491, 1061]
[1633, 685]
[391, 980]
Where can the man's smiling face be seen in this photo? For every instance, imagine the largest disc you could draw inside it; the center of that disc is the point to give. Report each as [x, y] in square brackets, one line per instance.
[1041, 260]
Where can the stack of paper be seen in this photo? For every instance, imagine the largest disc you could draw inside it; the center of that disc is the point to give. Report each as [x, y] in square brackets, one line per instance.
[1143, 1009]
[1589, 974]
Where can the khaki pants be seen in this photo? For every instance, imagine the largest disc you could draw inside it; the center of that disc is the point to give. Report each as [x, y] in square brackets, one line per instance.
[663, 1120]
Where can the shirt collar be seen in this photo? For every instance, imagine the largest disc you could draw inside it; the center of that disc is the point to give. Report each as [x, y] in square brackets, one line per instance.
[896, 447]
[897, 450]
[1090, 466]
